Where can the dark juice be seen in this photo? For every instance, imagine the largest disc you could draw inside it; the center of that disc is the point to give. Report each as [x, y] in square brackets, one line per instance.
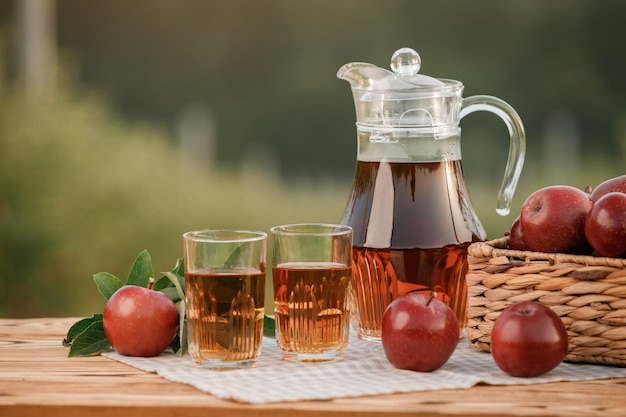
[412, 224]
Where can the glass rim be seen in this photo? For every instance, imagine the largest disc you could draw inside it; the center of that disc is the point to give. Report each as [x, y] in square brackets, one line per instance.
[311, 229]
[224, 235]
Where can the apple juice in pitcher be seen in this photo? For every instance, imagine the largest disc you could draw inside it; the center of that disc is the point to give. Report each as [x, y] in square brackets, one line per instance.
[412, 223]
[410, 211]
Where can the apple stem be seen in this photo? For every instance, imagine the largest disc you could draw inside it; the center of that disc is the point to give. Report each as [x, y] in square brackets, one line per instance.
[433, 295]
[150, 283]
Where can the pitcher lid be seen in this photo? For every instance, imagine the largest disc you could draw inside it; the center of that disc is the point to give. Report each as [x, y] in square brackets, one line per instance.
[404, 75]
[402, 97]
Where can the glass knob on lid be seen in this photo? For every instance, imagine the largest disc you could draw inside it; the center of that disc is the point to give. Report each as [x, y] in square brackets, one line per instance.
[406, 63]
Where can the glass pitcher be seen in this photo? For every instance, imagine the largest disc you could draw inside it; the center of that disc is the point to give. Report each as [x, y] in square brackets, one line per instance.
[410, 210]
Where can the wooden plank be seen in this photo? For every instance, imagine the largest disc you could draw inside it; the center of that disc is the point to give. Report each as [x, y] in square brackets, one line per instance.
[37, 378]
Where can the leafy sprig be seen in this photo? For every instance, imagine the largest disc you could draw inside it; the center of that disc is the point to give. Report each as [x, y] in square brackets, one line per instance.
[86, 337]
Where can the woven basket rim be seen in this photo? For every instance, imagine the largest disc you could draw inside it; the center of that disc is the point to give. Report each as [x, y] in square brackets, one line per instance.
[498, 247]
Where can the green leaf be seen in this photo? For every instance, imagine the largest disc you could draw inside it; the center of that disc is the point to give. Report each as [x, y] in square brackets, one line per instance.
[79, 327]
[165, 284]
[171, 292]
[269, 327]
[180, 341]
[179, 268]
[162, 284]
[91, 341]
[178, 282]
[141, 271]
[175, 343]
[107, 284]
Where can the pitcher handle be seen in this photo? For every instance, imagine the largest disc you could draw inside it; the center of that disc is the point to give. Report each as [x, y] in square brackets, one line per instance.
[517, 147]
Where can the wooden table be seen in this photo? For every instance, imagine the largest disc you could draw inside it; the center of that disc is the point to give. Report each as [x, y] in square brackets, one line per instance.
[38, 379]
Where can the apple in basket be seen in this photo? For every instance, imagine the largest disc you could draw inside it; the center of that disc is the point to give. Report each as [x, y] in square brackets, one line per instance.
[528, 339]
[553, 220]
[617, 184]
[139, 321]
[516, 236]
[419, 332]
[605, 226]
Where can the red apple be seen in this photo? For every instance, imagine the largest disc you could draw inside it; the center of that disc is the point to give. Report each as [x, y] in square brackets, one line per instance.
[528, 339]
[419, 332]
[138, 321]
[617, 184]
[605, 226]
[553, 220]
[516, 236]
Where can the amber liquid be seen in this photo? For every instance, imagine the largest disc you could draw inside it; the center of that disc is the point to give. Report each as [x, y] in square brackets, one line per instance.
[311, 308]
[225, 315]
[411, 236]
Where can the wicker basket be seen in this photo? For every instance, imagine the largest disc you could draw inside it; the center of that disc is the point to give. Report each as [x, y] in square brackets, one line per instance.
[587, 292]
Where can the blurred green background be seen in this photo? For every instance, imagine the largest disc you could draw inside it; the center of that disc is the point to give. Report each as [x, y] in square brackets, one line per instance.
[124, 124]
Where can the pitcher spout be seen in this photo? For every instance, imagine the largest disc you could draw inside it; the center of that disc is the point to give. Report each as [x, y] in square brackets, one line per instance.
[361, 75]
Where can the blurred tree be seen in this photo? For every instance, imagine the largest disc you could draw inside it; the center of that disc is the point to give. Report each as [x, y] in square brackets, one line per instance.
[36, 43]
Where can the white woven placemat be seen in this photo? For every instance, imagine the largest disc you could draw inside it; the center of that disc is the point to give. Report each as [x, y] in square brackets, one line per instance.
[363, 371]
